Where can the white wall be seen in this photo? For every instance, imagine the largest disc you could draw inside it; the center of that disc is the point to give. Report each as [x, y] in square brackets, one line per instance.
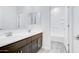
[75, 25]
[0, 17]
[45, 26]
[58, 21]
[8, 17]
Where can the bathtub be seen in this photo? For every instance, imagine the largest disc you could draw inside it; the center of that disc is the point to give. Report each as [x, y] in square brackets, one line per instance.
[57, 37]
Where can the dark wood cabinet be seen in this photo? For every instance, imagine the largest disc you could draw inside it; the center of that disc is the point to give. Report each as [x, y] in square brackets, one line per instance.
[34, 46]
[26, 49]
[39, 42]
[27, 45]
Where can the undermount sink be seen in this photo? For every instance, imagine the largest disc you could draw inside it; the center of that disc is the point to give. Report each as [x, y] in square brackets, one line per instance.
[9, 34]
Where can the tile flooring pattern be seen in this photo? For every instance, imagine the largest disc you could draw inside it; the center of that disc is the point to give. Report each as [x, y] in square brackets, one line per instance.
[56, 47]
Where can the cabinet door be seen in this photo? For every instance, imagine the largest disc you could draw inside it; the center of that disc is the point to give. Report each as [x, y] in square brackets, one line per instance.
[39, 42]
[34, 46]
[26, 49]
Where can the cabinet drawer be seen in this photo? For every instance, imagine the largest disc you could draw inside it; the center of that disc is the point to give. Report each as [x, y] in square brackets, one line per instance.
[14, 46]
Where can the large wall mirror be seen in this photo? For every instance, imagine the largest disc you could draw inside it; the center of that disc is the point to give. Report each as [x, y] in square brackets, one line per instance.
[19, 17]
[28, 16]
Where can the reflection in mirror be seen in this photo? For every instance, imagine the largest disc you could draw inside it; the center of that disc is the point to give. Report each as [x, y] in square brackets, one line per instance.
[27, 16]
[19, 11]
[35, 17]
[19, 17]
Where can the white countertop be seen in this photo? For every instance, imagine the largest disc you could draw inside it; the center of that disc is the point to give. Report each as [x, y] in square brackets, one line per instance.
[4, 40]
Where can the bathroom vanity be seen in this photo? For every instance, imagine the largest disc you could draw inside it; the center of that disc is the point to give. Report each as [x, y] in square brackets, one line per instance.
[30, 44]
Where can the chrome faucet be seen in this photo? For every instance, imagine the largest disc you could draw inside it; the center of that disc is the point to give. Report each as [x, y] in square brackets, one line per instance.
[29, 30]
[9, 34]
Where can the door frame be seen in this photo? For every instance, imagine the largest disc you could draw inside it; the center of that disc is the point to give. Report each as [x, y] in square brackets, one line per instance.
[71, 20]
[69, 31]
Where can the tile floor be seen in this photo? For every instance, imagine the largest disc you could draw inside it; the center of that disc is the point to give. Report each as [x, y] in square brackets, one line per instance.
[56, 47]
